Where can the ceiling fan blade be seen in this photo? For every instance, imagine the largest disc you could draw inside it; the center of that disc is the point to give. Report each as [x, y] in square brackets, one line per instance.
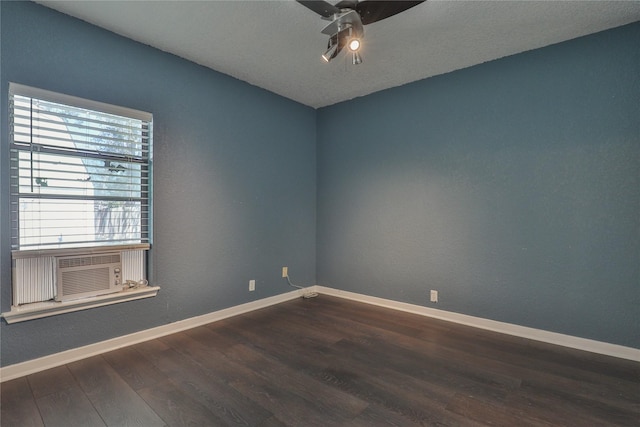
[373, 11]
[320, 7]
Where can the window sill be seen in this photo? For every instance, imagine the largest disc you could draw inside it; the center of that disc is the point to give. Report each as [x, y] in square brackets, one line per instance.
[51, 308]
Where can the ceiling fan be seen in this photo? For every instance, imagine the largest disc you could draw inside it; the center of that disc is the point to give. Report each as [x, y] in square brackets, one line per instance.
[347, 19]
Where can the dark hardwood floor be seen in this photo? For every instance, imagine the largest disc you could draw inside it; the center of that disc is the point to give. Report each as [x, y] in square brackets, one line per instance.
[330, 362]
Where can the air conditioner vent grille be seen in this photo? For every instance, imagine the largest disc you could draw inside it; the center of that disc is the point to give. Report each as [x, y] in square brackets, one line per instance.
[88, 260]
[91, 280]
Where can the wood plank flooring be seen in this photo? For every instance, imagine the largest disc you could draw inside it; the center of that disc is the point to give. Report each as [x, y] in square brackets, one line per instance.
[330, 362]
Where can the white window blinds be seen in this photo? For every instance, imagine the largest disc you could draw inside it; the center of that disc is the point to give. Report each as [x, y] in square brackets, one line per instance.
[80, 171]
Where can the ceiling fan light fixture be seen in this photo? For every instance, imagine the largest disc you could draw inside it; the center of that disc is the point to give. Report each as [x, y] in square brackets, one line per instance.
[347, 19]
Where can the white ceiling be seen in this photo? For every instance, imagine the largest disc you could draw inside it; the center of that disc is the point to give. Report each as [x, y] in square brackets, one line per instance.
[276, 45]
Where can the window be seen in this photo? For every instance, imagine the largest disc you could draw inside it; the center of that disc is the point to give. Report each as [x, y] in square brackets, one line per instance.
[80, 172]
[80, 195]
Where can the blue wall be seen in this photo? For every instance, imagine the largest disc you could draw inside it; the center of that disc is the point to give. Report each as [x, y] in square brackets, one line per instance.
[511, 187]
[234, 177]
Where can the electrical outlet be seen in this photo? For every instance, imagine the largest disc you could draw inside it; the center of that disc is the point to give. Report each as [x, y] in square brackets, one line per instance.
[434, 296]
[285, 271]
[252, 285]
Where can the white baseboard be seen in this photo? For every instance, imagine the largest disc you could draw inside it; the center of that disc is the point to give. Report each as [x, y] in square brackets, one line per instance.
[47, 362]
[585, 344]
[40, 364]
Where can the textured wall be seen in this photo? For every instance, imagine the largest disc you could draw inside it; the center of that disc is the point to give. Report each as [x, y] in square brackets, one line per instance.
[234, 177]
[512, 188]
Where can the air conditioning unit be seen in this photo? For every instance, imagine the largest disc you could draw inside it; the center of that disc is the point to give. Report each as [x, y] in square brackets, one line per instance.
[83, 276]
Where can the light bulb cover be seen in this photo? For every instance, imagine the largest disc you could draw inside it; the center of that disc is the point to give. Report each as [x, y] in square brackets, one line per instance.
[354, 45]
[330, 53]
